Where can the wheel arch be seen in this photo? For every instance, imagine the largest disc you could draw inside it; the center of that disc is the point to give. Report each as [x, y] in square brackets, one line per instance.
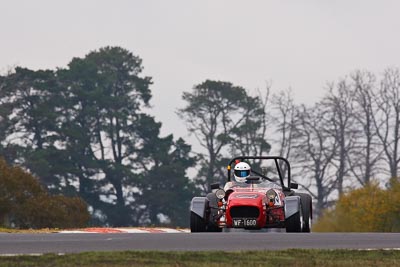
[292, 205]
[198, 206]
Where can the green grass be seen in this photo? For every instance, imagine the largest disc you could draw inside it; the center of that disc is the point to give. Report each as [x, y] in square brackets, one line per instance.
[27, 231]
[293, 257]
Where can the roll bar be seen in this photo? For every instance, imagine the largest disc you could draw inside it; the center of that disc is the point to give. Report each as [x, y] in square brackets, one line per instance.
[275, 158]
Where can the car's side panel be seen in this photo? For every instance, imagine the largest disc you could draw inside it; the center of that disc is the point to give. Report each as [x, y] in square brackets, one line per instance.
[199, 205]
[292, 205]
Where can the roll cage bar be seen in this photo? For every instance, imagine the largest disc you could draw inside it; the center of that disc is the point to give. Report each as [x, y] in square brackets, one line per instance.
[275, 158]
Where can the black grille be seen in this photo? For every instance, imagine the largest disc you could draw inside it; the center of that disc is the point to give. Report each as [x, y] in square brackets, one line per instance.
[244, 212]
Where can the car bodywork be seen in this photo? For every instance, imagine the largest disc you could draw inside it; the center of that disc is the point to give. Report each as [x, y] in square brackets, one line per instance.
[259, 203]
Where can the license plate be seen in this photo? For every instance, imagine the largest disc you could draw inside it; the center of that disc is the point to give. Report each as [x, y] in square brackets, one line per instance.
[240, 223]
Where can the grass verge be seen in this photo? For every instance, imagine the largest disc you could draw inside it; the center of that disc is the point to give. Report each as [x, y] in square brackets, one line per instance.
[292, 257]
[27, 231]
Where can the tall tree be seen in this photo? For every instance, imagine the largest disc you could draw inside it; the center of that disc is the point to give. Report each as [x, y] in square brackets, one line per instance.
[250, 136]
[339, 103]
[314, 150]
[363, 161]
[29, 129]
[83, 131]
[106, 129]
[387, 119]
[26, 106]
[284, 112]
[165, 189]
[213, 113]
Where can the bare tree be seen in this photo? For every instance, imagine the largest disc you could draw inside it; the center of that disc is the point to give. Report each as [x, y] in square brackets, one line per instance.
[339, 104]
[367, 152]
[284, 118]
[387, 118]
[314, 151]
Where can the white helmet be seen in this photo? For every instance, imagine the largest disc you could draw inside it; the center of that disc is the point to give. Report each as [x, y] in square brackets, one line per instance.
[241, 172]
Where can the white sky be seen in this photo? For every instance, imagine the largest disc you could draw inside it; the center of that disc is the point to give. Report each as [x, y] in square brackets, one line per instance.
[298, 44]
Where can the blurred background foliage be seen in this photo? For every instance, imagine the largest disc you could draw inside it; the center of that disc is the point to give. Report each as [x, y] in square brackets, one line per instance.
[367, 209]
[24, 203]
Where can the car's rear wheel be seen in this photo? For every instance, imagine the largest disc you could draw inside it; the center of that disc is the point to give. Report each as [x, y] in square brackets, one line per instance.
[294, 224]
[306, 204]
[197, 223]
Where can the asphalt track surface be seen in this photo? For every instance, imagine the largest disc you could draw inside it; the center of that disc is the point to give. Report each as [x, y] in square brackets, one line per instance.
[11, 244]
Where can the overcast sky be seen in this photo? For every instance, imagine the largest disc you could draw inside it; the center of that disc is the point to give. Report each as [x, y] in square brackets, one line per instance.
[297, 44]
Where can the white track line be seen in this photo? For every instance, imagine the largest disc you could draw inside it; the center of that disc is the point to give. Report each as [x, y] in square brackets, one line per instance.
[124, 230]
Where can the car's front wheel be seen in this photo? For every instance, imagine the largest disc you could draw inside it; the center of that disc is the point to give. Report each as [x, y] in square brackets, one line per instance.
[306, 204]
[294, 224]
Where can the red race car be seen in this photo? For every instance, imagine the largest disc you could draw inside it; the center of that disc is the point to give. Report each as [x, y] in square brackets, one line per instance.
[252, 200]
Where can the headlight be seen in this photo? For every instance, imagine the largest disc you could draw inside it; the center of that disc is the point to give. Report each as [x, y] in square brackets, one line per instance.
[220, 193]
[271, 194]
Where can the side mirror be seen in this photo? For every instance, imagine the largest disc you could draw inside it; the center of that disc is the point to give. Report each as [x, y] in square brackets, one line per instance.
[215, 186]
[294, 186]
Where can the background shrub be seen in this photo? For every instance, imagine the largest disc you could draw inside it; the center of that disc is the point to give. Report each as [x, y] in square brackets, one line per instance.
[368, 209]
[24, 203]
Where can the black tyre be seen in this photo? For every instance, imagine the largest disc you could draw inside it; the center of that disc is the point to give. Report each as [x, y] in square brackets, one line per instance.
[197, 224]
[213, 213]
[213, 228]
[294, 224]
[306, 204]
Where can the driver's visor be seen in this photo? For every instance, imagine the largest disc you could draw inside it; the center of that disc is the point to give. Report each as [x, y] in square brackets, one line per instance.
[242, 173]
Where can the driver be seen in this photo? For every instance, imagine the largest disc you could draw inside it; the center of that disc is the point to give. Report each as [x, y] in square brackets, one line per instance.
[241, 172]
